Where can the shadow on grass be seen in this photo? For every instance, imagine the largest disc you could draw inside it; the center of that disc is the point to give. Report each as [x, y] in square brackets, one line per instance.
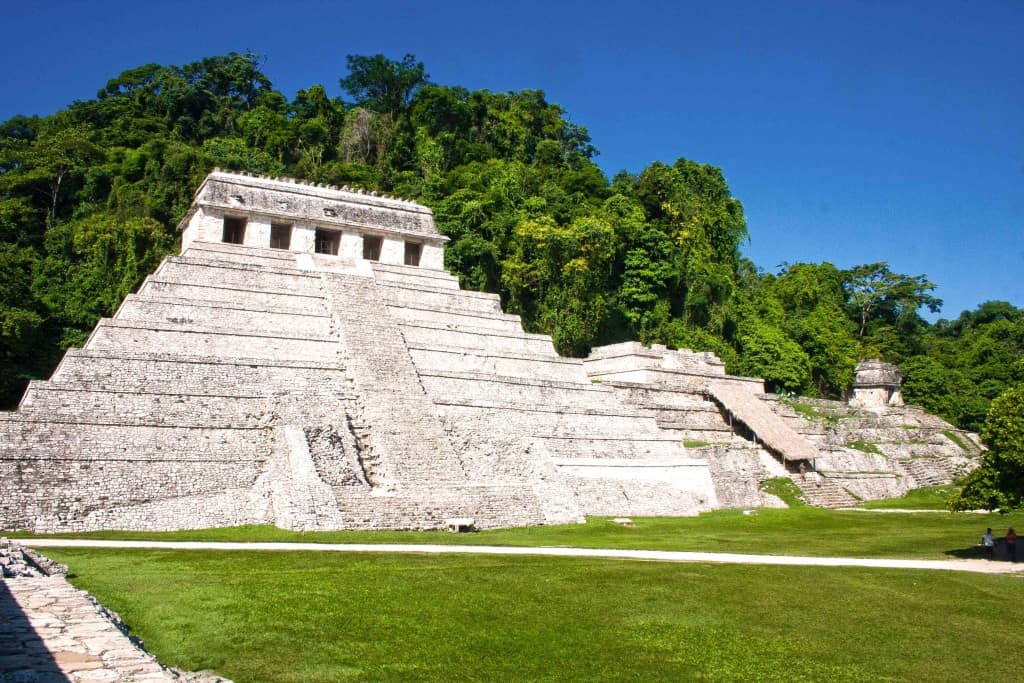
[977, 552]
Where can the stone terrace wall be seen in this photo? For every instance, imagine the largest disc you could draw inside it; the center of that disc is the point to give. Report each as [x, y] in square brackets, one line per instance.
[908, 447]
[236, 388]
[516, 412]
[177, 410]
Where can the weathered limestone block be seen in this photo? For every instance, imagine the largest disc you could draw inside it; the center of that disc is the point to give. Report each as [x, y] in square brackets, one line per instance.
[477, 339]
[737, 474]
[680, 489]
[413, 276]
[247, 298]
[440, 316]
[430, 357]
[184, 313]
[154, 337]
[400, 294]
[633, 362]
[451, 388]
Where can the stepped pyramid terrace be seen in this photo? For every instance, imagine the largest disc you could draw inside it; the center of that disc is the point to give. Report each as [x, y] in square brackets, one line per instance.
[307, 362]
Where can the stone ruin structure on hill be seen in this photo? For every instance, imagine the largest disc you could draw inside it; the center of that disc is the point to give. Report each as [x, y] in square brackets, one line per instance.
[307, 362]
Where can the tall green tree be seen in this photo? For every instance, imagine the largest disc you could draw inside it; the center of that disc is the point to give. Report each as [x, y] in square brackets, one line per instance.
[999, 482]
[381, 84]
[874, 292]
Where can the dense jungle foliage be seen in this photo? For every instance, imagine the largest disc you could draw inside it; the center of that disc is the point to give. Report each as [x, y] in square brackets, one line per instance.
[90, 197]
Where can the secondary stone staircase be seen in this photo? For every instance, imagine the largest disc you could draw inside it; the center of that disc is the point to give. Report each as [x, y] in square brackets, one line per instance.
[823, 492]
[880, 453]
[931, 471]
[762, 422]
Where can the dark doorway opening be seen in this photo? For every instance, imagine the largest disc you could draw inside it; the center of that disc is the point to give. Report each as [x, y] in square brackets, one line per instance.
[412, 253]
[234, 230]
[280, 236]
[371, 248]
[327, 242]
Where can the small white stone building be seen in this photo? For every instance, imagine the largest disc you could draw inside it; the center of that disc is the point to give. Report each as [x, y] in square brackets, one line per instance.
[876, 385]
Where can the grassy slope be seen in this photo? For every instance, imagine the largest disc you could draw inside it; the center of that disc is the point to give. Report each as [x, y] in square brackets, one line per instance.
[798, 531]
[323, 617]
[930, 498]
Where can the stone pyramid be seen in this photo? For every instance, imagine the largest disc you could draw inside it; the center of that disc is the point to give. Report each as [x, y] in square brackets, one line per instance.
[307, 362]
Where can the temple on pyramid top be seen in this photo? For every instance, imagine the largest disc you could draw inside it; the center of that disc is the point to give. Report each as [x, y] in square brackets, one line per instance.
[308, 218]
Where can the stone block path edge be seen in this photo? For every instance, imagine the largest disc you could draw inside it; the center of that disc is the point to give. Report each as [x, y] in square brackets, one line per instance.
[50, 631]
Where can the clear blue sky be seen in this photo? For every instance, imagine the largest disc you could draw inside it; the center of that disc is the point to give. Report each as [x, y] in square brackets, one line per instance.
[852, 132]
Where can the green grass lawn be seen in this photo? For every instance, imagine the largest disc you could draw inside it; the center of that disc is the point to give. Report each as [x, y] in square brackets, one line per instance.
[325, 617]
[796, 531]
[930, 498]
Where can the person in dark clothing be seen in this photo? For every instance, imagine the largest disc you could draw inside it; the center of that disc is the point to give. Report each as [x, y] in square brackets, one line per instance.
[1011, 545]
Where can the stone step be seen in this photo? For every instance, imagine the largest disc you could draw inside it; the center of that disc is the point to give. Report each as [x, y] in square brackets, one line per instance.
[435, 357]
[877, 422]
[513, 391]
[709, 436]
[238, 275]
[925, 419]
[907, 451]
[930, 471]
[260, 262]
[56, 402]
[443, 315]
[823, 492]
[236, 253]
[401, 424]
[399, 294]
[476, 339]
[624, 447]
[314, 307]
[207, 342]
[547, 423]
[705, 411]
[695, 420]
[178, 312]
[414, 276]
[103, 369]
[898, 436]
[245, 297]
[659, 398]
[49, 444]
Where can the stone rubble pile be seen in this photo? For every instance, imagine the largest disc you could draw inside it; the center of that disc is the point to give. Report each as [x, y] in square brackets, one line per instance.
[17, 562]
